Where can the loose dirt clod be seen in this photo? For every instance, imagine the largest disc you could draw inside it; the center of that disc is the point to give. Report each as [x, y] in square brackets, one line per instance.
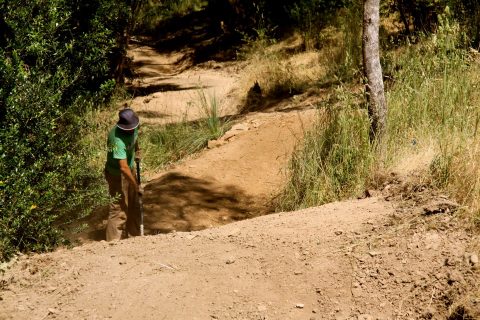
[440, 206]
[474, 259]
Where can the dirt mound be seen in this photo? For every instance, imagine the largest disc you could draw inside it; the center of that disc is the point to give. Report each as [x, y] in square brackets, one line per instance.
[345, 260]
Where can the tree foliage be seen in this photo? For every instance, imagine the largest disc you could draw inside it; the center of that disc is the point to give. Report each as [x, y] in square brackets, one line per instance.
[281, 14]
[57, 60]
[310, 16]
[423, 15]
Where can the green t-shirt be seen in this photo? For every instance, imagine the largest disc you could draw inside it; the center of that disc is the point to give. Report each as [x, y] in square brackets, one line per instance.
[121, 145]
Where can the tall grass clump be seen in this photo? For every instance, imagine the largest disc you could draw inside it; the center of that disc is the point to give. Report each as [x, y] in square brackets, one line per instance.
[278, 74]
[163, 145]
[434, 100]
[348, 57]
[210, 113]
[279, 78]
[334, 161]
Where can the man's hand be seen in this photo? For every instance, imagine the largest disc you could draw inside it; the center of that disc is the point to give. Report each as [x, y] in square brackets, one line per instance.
[127, 173]
[140, 190]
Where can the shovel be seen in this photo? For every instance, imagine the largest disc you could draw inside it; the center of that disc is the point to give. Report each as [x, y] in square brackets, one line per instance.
[140, 201]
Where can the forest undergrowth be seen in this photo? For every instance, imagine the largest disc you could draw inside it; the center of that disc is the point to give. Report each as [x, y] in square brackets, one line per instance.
[433, 118]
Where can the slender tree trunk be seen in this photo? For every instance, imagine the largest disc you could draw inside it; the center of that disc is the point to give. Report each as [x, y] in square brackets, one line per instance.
[403, 16]
[377, 105]
[123, 41]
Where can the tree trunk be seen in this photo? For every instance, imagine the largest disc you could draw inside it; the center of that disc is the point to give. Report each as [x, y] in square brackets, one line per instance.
[377, 105]
[123, 41]
[403, 15]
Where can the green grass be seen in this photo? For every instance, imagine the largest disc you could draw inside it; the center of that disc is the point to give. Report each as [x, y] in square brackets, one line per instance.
[163, 145]
[334, 161]
[433, 100]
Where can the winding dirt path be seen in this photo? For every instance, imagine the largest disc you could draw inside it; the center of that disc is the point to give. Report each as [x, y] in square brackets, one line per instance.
[167, 87]
[238, 176]
[359, 259]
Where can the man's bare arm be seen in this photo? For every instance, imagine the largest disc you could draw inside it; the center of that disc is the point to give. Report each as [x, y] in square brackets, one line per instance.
[125, 169]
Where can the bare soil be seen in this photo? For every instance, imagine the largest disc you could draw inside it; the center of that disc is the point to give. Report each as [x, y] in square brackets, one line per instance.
[345, 260]
[239, 175]
[381, 257]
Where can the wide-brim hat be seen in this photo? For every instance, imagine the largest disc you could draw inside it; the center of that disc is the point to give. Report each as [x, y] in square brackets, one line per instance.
[127, 119]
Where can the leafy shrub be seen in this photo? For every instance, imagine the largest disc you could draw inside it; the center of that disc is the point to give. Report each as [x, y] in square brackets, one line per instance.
[43, 175]
[57, 63]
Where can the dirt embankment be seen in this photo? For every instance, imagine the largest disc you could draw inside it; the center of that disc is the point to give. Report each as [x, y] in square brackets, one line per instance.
[345, 260]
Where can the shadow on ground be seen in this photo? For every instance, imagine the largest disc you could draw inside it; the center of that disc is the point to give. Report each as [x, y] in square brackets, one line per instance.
[178, 202]
[90, 228]
[184, 203]
[149, 114]
[197, 34]
[154, 88]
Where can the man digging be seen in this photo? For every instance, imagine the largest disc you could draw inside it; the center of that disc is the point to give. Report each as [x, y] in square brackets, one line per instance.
[122, 144]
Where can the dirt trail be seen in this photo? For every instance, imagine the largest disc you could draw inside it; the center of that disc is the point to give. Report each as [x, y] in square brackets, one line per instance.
[359, 259]
[167, 88]
[262, 268]
[238, 176]
[234, 180]
[345, 260]
[231, 182]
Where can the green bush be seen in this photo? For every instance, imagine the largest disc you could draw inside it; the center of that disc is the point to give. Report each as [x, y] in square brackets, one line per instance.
[57, 63]
[44, 176]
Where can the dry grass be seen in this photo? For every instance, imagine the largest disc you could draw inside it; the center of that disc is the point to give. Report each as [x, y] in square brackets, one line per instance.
[415, 157]
[433, 119]
[284, 68]
[463, 181]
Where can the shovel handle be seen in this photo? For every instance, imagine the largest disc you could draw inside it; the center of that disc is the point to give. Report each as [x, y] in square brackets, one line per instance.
[138, 172]
[140, 199]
